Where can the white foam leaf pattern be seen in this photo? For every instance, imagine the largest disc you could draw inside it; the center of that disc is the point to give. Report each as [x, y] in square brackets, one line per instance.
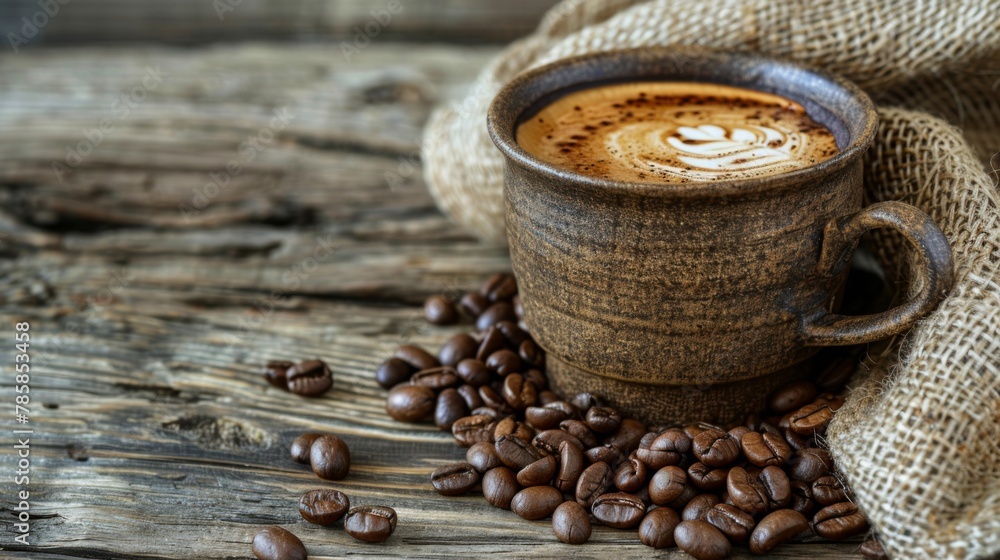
[709, 147]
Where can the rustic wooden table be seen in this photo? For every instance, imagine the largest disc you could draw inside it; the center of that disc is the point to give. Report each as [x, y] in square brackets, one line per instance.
[154, 434]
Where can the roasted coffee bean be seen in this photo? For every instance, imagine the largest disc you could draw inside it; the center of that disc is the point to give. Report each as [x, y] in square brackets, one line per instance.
[667, 484]
[545, 417]
[580, 431]
[606, 453]
[483, 457]
[323, 507]
[631, 475]
[810, 464]
[745, 492]
[689, 493]
[839, 521]
[473, 429]
[657, 528]
[545, 397]
[541, 383]
[392, 372]
[802, 498]
[584, 401]
[531, 354]
[301, 445]
[417, 357]
[473, 304]
[798, 442]
[371, 524]
[498, 287]
[516, 453]
[628, 435]
[503, 362]
[538, 473]
[470, 396]
[410, 403]
[514, 334]
[492, 413]
[310, 378]
[275, 543]
[699, 507]
[276, 373]
[811, 419]
[499, 487]
[715, 448]
[837, 374]
[594, 481]
[492, 341]
[457, 348]
[702, 541]
[827, 490]
[549, 440]
[439, 310]
[518, 307]
[739, 431]
[536, 502]
[570, 523]
[330, 458]
[603, 419]
[449, 408]
[667, 448]
[777, 488]
[765, 449]
[454, 479]
[571, 464]
[494, 400]
[872, 550]
[769, 428]
[499, 311]
[791, 397]
[830, 400]
[437, 378]
[776, 528]
[735, 523]
[618, 510]
[519, 392]
[692, 430]
[473, 372]
[707, 478]
[511, 426]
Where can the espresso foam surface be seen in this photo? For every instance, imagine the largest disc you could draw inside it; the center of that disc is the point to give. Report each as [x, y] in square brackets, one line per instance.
[675, 132]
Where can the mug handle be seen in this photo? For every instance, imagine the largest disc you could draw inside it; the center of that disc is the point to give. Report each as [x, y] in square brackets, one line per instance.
[839, 240]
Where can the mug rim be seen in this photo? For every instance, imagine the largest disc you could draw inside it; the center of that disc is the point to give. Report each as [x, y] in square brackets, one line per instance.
[502, 122]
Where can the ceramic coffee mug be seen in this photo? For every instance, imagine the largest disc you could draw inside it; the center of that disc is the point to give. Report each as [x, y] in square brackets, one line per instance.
[693, 301]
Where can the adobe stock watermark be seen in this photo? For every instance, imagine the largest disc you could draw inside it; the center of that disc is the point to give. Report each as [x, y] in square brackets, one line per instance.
[121, 108]
[47, 10]
[248, 150]
[363, 35]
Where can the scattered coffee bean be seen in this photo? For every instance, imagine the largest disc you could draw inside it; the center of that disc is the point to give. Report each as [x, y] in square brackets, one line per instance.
[499, 311]
[764, 449]
[410, 403]
[667, 484]
[827, 490]
[492, 340]
[372, 524]
[702, 541]
[811, 419]
[457, 348]
[515, 453]
[667, 448]
[580, 431]
[416, 357]
[454, 479]
[792, 397]
[473, 429]
[483, 457]
[708, 479]
[449, 408]
[437, 378]
[310, 378]
[872, 550]
[735, 523]
[512, 333]
[470, 395]
[549, 440]
[594, 481]
[570, 523]
[657, 528]
[839, 521]
[776, 528]
[699, 506]
[473, 372]
[276, 373]
[275, 543]
[584, 401]
[499, 487]
[500, 286]
[571, 464]
[510, 426]
[618, 510]
[330, 458]
[301, 445]
[802, 498]
[603, 419]
[519, 392]
[631, 475]
[628, 435]
[323, 507]
[473, 304]
[392, 372]
[810, 464]
[439, 310]
[503, 362]
[538, 473]
[606, 453]
[531, 354]
[715, 448]
[536, 502]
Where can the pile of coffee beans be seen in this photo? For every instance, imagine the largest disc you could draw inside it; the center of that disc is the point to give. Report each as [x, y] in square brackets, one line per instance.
[703, 488]
[310, 378]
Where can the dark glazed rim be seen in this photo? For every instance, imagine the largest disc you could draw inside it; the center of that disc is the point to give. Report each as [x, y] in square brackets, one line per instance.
[816, 90]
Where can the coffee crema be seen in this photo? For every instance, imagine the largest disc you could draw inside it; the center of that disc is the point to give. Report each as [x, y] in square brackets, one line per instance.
[675, 132]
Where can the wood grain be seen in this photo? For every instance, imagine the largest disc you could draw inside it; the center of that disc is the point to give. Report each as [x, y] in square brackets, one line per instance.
[155, 436]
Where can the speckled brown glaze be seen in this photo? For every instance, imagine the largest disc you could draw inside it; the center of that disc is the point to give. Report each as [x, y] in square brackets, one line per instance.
[684, 301]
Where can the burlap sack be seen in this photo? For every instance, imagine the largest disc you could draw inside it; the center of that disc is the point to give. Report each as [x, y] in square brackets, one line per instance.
[919, 438]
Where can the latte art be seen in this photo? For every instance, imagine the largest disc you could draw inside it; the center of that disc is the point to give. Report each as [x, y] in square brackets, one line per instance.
[675, 132]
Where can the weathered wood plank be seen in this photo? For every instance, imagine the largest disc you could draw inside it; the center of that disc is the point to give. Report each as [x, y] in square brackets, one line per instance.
[155, 435]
